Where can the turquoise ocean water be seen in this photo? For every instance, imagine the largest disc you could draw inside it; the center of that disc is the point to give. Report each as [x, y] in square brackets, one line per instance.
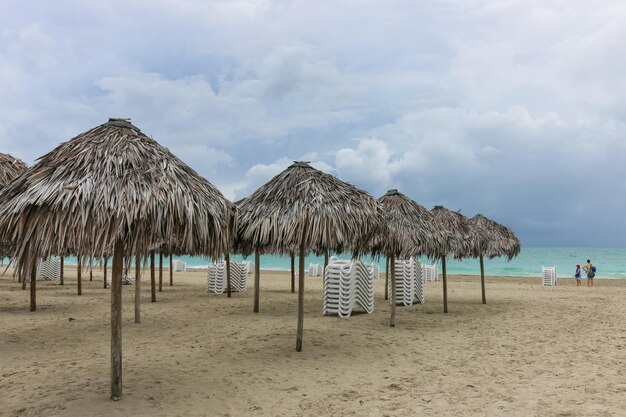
[610, 262]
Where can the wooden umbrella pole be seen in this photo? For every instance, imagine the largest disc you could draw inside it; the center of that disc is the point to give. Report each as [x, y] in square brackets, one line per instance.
[171, 272]
[392, 265]
[293, 273]
[106, 261]
[445, 284]
[387, 278]
[116, 322]
[152, 279]
[91, 268]
[227, 258]
[324, 270]
[257, 280]
[137, 289]
[33, 286]
[482, 278]
[160, 272]
[300, 332]
[79, 278]
[61, 282]
[23, 278]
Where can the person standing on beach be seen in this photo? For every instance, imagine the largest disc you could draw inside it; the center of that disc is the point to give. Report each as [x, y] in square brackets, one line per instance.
[577, 276]
[589, 272]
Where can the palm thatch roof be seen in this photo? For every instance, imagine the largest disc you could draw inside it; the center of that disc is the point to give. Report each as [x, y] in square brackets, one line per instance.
[10, 168]
[339, 217]
[454, 226]
[112, 182]
[514, 246]
[412, 230]
[492, 239]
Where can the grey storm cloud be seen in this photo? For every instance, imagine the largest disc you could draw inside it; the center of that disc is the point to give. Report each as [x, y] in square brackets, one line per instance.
[515, 109]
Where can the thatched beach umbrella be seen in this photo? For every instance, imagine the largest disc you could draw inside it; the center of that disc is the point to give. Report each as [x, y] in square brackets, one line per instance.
[305, 208]
[491, 239]
[511, 244]
[112, 187]
[455, 241]
[10, 168]
[411, 231]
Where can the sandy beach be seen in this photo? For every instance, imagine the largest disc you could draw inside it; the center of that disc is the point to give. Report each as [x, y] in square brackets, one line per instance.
[531, 351]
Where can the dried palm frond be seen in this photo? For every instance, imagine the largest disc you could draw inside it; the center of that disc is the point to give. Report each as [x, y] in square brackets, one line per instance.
[456, 240]
[10, 168]
[491, 239]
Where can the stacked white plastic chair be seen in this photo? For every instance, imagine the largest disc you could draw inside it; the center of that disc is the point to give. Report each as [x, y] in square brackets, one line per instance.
[126, 280]
[419, 281]
[405, 284]
[249, 266]
[374, 270]
[179, 266]
[408, 282]
[430, 273]
[49, 269]
[364, 277]
[348, 284]
[217, 279]
[548, 275]
[238, 277]
[315, 270]
[336, 286]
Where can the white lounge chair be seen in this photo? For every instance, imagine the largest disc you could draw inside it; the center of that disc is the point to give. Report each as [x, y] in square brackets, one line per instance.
[430, 273]
[419, 281]
[348, 284]
[49, 269]
[126, 280]
[548, 275]
[217, 279]
[238, 277]
[374, 269]
[408, 282]
[179, 266]
[315, 270]
[249, 265]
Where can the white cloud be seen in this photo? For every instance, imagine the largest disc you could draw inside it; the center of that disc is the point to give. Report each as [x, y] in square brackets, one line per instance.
[369, 164]
[261, 173]
[208, 160]
[231, 190]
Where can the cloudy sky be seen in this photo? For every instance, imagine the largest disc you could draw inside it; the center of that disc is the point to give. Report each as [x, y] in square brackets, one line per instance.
[515, 109]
